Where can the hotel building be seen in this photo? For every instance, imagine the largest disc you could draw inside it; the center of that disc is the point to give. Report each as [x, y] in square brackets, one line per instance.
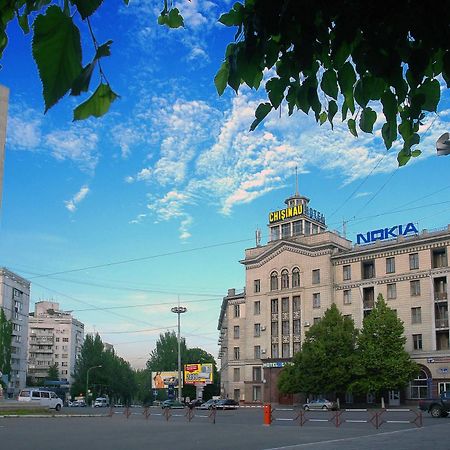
[303, 269]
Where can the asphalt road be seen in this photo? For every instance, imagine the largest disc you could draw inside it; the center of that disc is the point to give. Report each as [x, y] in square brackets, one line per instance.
[241, 429]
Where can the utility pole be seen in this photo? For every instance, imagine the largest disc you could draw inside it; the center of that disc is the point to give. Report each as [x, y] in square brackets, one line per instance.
[179, 310]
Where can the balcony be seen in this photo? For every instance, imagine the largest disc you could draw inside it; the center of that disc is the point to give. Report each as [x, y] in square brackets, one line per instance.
[438, 296]
[441, 323]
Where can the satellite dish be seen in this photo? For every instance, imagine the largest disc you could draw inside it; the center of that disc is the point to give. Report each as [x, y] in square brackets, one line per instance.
[443, 145]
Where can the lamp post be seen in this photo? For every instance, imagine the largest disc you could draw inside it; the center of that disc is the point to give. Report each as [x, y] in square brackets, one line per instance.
[87, 381]
[179, 310]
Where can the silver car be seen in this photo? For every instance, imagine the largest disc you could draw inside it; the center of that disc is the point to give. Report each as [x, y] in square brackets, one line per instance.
[320, 403]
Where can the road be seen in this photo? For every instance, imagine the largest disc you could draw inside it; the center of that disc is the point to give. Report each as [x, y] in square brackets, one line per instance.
[241, 429]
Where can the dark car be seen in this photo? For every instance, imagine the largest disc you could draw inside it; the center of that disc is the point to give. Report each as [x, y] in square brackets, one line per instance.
[209, 404]
[195, 403]
[172, 404]
[227, 403]
[320, 403]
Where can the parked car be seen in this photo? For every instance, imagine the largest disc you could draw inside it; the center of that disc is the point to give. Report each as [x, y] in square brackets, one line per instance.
[41, 397]
[437, 407]
[209, 404]
[77, 403]
[320, 403]
[172, 404]
[101, 402]
[195, 403]
[227, 403]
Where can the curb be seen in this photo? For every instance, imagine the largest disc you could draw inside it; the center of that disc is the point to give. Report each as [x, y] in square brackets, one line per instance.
[47, 416]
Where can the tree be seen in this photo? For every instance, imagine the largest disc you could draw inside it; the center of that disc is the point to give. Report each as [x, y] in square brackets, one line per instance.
[5, 344]
[325, 362]
[53, 373]
[359, 58]
[382, 362]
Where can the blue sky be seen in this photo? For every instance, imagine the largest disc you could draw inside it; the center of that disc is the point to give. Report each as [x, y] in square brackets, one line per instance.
[171, 185]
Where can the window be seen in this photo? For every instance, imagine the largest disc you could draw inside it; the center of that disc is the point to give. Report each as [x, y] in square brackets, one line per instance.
[316, 320]
[274, 328]
[444, 387]
[285, 350]
[57, 339]
[439, 257]
[296, 303]
[65, 339]
[236, 332]
[347, 296]
[316, 300]
[257, 393]
[296, 326]
[295, 277]
[297, 227]
[274, 306]
[285, 328]
[36, 394]
[285, 305]
[419, 386]
[257, 374]
[347, 272]
[368, 270]
[236, 374]
[257, 351]
[236, 353]
[414, 288]
[390, 265]
[391, 291]
[274, 281]
[316, 276]
[285, 230]
[417, 341]
[237, 395]
[416, 315]
[274, 233]
[274, 350]
[413, 261]
[257, 330]
[307, 228]
[257, 285]
[297, 347]
[257, 308]
[237, 310]
[284, 279]
[45, 394]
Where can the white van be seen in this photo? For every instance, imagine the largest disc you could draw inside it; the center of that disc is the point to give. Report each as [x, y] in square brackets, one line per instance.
[41, 398]
[101, 402]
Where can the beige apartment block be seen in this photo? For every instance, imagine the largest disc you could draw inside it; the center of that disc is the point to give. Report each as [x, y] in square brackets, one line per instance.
[54, 337]
[4, 96]
[15, 302]
[303, 269]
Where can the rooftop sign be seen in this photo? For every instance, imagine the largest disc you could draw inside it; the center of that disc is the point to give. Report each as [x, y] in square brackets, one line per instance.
[386, 233]
[294, 211]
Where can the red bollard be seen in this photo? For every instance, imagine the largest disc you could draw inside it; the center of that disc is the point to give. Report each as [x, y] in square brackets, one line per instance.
[267, 414]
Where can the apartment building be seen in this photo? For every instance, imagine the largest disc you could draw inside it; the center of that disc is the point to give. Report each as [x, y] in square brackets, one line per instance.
[15, 302]
[55, 337]
[304, 268]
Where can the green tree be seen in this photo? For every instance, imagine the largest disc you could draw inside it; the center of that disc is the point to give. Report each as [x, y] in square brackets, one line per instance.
[382, 362]
[325, 363]
[5, 343]
[325, 56]
[164, 357]
[53, 373]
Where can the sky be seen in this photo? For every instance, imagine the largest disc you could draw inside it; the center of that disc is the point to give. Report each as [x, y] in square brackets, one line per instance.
[120, 218]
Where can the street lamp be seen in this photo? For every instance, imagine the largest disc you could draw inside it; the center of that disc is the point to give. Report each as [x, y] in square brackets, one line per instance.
[179, 310]
[87, 381]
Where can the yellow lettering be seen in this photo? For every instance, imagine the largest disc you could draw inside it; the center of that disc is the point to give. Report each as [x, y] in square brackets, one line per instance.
[271, 217]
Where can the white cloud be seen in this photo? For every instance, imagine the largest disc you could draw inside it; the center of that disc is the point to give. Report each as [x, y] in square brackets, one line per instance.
[24, 131]
[73, 203]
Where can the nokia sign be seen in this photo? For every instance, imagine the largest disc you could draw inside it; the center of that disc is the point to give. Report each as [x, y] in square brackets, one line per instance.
[386, 233]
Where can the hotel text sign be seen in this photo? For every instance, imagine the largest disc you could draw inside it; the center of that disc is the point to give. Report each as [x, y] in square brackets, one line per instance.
[294, 211]
[386, 233]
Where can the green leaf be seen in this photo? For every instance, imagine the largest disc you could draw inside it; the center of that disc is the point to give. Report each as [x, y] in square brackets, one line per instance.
[389, 133]
[329, 83]
[367, 120]
[352, 127]
[275, 88]
[23, 22]
[415, 153]
[87, 7]
[432, 92]
[346, 80]
[103, 50]
[126, 2]
[390, 107]
[234, 17]
[173, 19]
[291, 98]
[221, 78]
[261, 112]
[403, 156]
[81, 83]
[57, 51]
[97, 105]
[332, 110]
[322, 117]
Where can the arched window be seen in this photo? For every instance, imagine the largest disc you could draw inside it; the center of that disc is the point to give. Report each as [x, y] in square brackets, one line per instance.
[295, 277]
[419, 386]
[284, 279]
[274, 281]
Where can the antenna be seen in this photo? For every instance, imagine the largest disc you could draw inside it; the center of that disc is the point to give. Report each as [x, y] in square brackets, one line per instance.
[344, 228]
[296, 181]
[258, 237]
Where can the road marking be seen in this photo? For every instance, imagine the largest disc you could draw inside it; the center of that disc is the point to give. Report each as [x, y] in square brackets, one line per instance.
[283, 419]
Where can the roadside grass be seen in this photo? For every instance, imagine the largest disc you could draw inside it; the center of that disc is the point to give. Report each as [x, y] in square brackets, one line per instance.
[24, 412]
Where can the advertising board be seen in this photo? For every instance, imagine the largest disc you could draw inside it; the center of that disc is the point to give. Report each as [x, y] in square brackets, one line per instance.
[162, 380]
[198, 374]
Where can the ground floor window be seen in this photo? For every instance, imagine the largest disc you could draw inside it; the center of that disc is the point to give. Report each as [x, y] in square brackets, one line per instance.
[444, 386]
[418, 388]
[257, 394]
[237, 394]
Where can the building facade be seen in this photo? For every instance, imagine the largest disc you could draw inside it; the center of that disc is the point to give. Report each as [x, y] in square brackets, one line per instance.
[304, 268]
[15, 302]
[55, 337]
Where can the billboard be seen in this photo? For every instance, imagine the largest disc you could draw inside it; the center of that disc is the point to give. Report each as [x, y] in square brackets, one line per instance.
[162, 380]
[198, 374]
